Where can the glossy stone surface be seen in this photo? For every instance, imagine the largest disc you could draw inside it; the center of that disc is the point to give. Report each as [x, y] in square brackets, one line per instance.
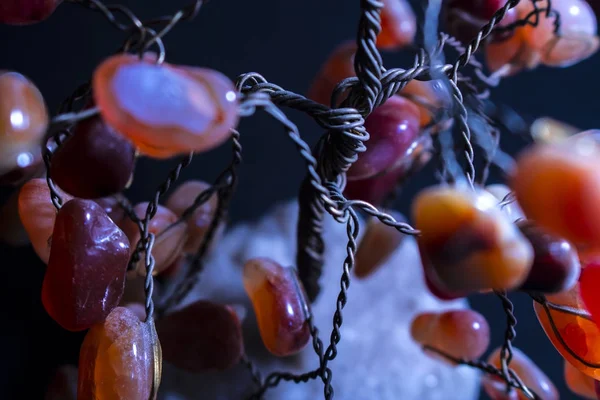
[165, 110]
[116, 361]
[201, 336]
[280, 306]
[339, 65]
[555, 265]
[581, 335]
[513, 210]
[464, 18]
[12, 231]
[112, 208]
[199, 222]
[531, 375]
[468, 241]
[95, 162]
[460, 333]
[558, 186]
[393, 128]
[29, 165]
[398, 25]
[170, 236]
[23, 12]
[63, 385]
[38, 214]
[85, 277]
[579, 383]
[378, 243]
[588, 285]
[511, 55]
[23, 121]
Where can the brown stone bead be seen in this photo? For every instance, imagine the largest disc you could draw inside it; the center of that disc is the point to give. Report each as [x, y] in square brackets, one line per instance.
[112, 208]
[12, 231]
[280, 305]
[459, 333]
[38, 214]
[579, 383]
[63, 385]
[201, 336]
[96, 161]
[85, 277]
[379, 242]
[398, 25]
[119, 359]
[512, 55]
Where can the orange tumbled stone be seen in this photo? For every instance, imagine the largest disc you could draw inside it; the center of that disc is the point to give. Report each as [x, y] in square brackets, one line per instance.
[117, 359]
[165, 110]
[398, 25]
[339, 66]
[467, 240]
[280, 306]
[512, 54]
[579, 383]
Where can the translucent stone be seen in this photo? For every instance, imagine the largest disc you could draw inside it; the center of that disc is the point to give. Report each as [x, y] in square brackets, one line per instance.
[528, 372]
[280, 306]
[63, 385]
[379, 242]
[85, 277]
[199, 222]
[579, 383]
[165, 110]
[339, 66]
[94, 162]
[469, 243]
[588, 285]
[29, 165]
[513, 210]
[117, 359]
[393, 128]
[511, 55]
[398, 25]
[581, 335]
[459, 333]
[170, 236]
[464, 18]
[23, 12]
[548, 130]
[38, 214]
[12, 231]
[558, 187]
[23, 121]
[202, 336]
[555, 265]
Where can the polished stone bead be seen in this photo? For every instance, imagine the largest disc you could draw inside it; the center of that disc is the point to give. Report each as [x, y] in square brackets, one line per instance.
[468, 241]
[117, 359]
[111, 206]
[579, 383]
[165, 110]
[63, 385]
[513, 210]
[510, 56]
[459, 333]
[85, 277]
[379, 242]
[201, 336]
[465, 18]
[12, 231]
[398, 25]
[588, 285]
[280, 305]
[555, 265]
[339, 66]
[24, 12]
[38, 214]
[94, 162]
[531, 375]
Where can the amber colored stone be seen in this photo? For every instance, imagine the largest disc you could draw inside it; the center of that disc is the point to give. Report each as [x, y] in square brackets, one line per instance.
[533, 377]
[280, 305]
[548, 130]
[63, 385]
[23, 121]
[201, 336]
[94, 162]
[165, 110]
[117, 359]
[12, 231]
[112, 207]
[398, 25]
[86, 270]
[558, 186]
[468, 241]
[170, 236]
[459, 333]
[379, 242]
[581, 335]
[579, 383]
[511, 55]
[512, 209]
[24, 12]
[200, 220]
[38, 214]
[339, 66]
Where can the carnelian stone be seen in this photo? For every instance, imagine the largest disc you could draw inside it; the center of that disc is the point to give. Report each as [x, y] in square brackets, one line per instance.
[588, 284]
[117, 359]
[558, 186]
[469, 243]
[339, 66]
[202, 336]
[512, 54]
[38, 214]
[280, 305]
[459, 333]
[398, 25]
[23, 12]
[527, 371]
[581, 335]
[165, 110]
[579, 383]
[94, 162]
[86, 270]
[379, 242]
[23, 121]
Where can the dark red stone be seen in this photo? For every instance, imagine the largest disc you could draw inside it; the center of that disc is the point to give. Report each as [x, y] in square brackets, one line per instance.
[464, 18]
[23, 12]
[112, 208]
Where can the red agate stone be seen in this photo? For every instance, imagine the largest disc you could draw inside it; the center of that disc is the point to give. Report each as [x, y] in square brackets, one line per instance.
[398, 25]
[165, 110]
[589, 282]
[86, 271]
[23, 12]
